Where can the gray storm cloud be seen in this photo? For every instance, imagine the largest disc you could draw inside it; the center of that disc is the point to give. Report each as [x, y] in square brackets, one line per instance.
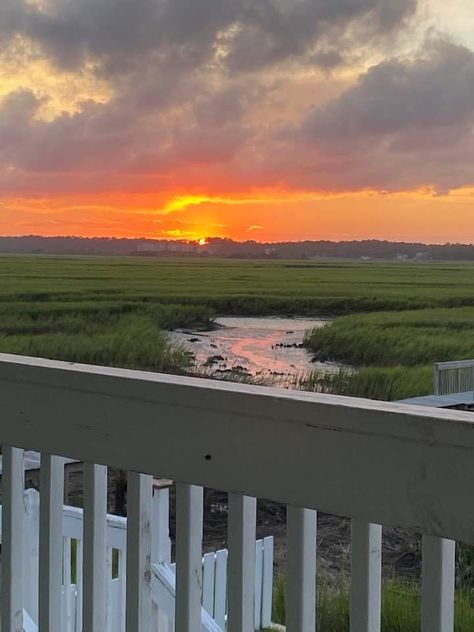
[397, 97]
[405, 123]
[187, 76]
[118, 33]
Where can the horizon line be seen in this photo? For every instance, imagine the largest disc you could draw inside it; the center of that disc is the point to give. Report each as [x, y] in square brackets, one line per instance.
[237, 241]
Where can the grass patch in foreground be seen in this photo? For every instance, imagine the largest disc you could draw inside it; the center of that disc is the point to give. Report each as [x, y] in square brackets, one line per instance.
[400, 608]
[383, 383]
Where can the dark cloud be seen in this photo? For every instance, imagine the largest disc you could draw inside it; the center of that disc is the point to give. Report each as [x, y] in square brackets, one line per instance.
[118, 34]
[404, 124]
[272, 31]
[399, 96]
[188, 80]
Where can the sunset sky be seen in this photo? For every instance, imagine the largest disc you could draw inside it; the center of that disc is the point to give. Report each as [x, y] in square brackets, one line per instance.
[251, 119]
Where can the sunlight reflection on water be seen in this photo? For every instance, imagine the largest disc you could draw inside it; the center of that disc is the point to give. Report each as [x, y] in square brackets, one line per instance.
[268, 349]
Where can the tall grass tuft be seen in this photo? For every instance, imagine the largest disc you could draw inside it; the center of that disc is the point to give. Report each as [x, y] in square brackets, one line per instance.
[385, 383]
[400, 607]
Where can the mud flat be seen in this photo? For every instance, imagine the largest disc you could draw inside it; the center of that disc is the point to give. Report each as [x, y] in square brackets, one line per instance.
[266, 349]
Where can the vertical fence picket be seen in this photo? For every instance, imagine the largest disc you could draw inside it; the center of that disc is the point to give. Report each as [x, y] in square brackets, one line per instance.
[50, 542]
[139, 512]
[160, 535]
[160, 546]
[67, 582]
[241, 563]
[437, 592]
[110, 612]
[267, 581]
[258, 583]
[79, 584]
[301, 569]
[208, 578]
[366, 577]
[31, 503]
[220, 588]
[94, 572]
[122, 573]
[189, 521]
[12, 539]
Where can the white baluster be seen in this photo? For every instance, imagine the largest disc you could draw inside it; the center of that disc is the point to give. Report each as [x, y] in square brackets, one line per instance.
[110, 612]
[31, 503]
[51, 539]
[241, 563]
[301, 569]
[79, 584]
[258, 583]
[267, 590]
[161, 548]
[122, 574]
[220, 588]
[139, 512]
[189, 517]
[12, 539]
[67, 582]
[94, 552]
[437, 593]
[366, 577]
[208, 587]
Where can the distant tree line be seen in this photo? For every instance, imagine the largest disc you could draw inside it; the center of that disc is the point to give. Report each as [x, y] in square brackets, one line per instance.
[217, 247]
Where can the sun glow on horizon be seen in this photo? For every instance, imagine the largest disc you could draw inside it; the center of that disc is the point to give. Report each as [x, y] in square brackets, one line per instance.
[265, 216]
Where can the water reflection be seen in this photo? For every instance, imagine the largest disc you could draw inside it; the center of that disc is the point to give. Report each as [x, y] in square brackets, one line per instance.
[267, 349]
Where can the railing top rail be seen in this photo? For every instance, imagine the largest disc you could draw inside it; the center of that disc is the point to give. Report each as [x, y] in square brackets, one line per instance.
[455, 364]
[382, 462]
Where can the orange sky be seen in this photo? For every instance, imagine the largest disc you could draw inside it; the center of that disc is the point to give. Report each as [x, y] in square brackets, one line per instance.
[361, 129]
[415, 216]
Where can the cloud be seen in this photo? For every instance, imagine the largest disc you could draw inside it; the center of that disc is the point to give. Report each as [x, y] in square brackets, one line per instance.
[196, 99]
[244, 35]
[405, 123]
[396, 96]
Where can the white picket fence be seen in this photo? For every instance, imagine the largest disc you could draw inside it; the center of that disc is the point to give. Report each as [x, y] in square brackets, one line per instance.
[163, 589]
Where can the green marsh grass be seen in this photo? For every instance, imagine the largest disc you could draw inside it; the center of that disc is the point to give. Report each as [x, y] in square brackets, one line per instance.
[393, 352]
[400, 607]
[396, 319]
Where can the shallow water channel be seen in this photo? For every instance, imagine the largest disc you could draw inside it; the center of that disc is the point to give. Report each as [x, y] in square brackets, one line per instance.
[267, 349]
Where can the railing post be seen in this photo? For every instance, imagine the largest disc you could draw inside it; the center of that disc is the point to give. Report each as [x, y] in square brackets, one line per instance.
[301, 569]
[366, 577]
[139, 502]
[51, 542]
[437, 588]
[12, 539]
[95, 550]
[241, 563]
[189, 517]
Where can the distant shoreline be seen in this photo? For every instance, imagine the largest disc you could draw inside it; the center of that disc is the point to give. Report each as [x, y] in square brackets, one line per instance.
[356, 250]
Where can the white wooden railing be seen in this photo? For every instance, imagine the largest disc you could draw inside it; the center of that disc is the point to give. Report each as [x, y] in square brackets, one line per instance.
[214, 568]
[454, 377]
[377, 463]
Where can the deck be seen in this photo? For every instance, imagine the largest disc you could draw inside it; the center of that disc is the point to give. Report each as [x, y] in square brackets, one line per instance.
[376, 463]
